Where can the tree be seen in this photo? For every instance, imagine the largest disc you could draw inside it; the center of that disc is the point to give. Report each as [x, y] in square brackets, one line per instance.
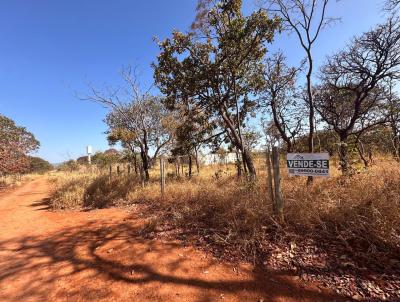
[128, 142]
[191, 132]
[281, 99]
[306, 19]
[352, 96]
[272, 135]
[140, 117]
[218, 68]
[39, 165]
[325, 141]
[15, 145]
[104, 159]
[147, 122]
[393, 118]
[391, 5]
[251, 138]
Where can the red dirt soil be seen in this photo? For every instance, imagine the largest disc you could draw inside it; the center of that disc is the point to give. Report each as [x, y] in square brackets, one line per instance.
[100, 256]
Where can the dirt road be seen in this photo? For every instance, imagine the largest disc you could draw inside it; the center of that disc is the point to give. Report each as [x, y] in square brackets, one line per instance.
[100, 256]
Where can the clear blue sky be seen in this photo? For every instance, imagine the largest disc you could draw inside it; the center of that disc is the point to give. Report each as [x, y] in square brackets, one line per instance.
[50, 49]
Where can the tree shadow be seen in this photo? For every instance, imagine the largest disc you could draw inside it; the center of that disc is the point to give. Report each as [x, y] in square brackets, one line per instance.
[42, 205]
[103, 261]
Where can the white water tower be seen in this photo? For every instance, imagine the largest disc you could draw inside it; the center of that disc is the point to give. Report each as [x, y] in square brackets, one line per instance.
[89, 152]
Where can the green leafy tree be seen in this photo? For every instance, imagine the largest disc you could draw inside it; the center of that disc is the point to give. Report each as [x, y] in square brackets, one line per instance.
[217, 68]
[39, 165]
[103, 159]
[15, 145]
[127, 139]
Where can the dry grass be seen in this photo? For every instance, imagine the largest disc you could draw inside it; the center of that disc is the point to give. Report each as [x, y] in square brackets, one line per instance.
[362, 210]
[69, 189]
[16, 180]
[74, 190]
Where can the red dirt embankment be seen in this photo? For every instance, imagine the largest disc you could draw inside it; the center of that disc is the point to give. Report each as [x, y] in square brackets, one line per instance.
[100, 256]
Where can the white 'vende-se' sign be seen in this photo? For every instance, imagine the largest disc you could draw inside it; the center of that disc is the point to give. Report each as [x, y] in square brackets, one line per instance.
[308, 164]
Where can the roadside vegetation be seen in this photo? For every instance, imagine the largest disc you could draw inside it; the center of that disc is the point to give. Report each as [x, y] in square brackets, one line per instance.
[16, 163]
[348, 224]
[223, 93]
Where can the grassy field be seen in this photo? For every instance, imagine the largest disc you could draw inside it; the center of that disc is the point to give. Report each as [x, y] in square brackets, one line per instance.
[361, 208]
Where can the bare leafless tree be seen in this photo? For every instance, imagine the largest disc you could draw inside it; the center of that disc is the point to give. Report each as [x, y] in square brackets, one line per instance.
[392, 5]
[393, 118]
[354, 81]
[306, 19]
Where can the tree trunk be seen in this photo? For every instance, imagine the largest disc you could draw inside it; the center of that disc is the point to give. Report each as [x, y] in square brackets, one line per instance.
[237, 141]
[289, 147]
[278, 125]
[343, 154]
[244, 164]
[145, 161]
[247, 159]
[238, 165]
[311, 108]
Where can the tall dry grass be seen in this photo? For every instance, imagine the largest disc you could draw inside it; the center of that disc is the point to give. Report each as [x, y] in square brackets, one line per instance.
[16, 180]
[75, 190]
[362, 211]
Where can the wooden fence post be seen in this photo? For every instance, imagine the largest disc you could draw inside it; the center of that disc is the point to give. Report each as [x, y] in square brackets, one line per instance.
[118, 170]
[162, 176]
[277, 183]
[269, 180]
[129, 169]
[110, 171]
